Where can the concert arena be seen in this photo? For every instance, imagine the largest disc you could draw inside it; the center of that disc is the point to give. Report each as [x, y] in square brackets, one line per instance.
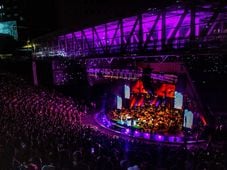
[138, 92]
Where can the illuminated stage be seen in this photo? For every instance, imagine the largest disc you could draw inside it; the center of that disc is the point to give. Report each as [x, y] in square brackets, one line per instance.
[133, 133]
[160, 114]
[149, 119]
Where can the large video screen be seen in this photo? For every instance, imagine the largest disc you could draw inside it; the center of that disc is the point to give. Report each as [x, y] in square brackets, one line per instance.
[127, 91]
[188, 119]
[166, 90]
[178, 100]
[9, 28]
[119, 102]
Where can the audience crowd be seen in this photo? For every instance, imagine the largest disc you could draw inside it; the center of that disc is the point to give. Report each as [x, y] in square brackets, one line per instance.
[40, 130]
[18, 96]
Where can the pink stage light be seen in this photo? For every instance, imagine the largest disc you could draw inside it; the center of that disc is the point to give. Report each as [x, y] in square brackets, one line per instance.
[159, 138]
[127, 131]
[136, 133]
[147, 135]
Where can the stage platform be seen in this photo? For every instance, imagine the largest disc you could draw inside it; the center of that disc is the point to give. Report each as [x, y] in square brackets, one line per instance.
[101, 123]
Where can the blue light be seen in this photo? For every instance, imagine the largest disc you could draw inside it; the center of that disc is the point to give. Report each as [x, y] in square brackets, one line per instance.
[172, 139]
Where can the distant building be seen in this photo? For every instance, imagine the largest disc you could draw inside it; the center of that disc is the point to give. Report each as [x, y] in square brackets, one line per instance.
[12, 10]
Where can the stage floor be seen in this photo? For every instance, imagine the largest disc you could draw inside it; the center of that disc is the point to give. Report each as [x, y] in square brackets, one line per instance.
[99, 122]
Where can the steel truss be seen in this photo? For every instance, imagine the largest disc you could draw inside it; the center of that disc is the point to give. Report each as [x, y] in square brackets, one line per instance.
[171, 29]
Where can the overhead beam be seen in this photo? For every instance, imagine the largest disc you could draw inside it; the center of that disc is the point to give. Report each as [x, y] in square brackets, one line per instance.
[173, 35]
[151, 31]
[131, 33]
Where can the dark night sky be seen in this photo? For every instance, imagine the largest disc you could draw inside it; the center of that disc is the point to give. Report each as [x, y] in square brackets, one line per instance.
[44, 16]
